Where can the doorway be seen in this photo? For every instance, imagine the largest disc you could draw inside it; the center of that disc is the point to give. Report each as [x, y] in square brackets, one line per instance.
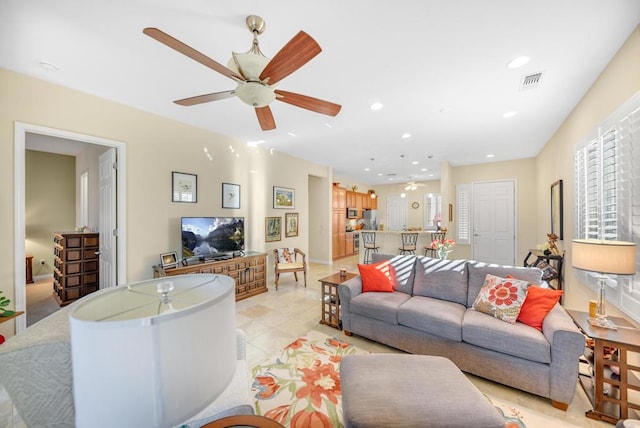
[21, 130]
[494, 237]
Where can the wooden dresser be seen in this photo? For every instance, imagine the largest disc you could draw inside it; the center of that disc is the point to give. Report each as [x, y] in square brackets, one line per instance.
[76, 265]
[248, 271]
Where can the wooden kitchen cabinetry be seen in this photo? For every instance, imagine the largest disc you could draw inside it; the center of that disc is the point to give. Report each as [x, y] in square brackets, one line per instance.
[248, 272]
[75, 265]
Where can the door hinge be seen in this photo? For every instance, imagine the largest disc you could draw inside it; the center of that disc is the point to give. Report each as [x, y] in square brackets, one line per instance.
[115, 165]
[115, 232]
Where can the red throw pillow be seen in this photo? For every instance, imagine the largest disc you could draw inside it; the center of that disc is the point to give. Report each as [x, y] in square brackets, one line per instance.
[537, 305]
[377, 277]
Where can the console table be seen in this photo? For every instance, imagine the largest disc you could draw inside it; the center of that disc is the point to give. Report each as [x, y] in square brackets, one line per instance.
[248, 272]
[610, 396]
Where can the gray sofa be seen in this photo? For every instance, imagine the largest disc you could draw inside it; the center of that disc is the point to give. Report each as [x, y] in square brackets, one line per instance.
[429, 312]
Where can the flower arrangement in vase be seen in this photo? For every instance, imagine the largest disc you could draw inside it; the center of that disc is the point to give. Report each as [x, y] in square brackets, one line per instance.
[443, 248]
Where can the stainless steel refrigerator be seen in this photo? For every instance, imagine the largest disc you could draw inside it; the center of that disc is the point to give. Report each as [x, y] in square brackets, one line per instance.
[370, 219]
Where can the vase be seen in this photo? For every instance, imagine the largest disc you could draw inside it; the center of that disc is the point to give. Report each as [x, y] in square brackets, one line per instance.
[442, 254]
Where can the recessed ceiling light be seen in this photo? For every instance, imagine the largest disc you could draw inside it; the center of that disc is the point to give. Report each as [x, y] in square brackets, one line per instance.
[406, 135]
[328, 125]
[509, 114]
[415, 163]
[376, 106]
[490, 155]
[49, 66]
[518, 62]
[379, 174]
[424, 169]
[367, 169]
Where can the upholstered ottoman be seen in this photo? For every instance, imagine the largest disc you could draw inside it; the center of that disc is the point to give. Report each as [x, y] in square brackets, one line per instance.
[395, 390]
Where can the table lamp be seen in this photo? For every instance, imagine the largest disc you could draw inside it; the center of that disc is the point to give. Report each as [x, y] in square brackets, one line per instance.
[153, 353]
[603, 257]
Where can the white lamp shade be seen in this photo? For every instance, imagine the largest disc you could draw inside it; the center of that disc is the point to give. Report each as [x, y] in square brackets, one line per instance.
[133, 367]
[608, 257]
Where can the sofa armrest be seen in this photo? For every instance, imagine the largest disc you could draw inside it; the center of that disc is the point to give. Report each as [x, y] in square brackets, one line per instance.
[347, 291]
[567, 345]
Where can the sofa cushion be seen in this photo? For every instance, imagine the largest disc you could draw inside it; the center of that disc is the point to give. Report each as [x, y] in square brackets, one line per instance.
[377, 277]
[434, 316]
[501, 298]
[379, 306]
[478, 272]
[441, 279]
[537, 305]
[403, 266]
[518, 339]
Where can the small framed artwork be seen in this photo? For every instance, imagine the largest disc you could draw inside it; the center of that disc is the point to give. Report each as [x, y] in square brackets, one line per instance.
[284, 197]
[273, 229]
[169, 259]
[556, 209]
[230, 195]
[291, 225]
[185, 187]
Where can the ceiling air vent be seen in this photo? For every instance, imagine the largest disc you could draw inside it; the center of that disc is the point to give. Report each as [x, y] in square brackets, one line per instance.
[531, 81]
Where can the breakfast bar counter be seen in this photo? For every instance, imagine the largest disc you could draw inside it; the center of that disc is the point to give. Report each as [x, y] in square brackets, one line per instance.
[390, 241]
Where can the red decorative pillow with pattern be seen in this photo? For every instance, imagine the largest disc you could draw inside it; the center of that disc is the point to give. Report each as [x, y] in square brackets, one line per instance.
[377, 277]
[537, 305]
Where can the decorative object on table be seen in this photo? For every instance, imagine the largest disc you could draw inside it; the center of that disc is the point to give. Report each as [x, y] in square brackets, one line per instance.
[291, 225]
[443, 247]
[354, 188]
[255, 75]
[604, 257]
[168, 260]
[273, 229]
[552, 247]
[133, 364]
[4, 302]
[556, 209]
[230, 195]
[185, 187]
[284, 197]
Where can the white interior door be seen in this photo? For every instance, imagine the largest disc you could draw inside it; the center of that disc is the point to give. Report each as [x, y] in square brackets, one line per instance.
[396, 212]
[108, 219]
[494, 222]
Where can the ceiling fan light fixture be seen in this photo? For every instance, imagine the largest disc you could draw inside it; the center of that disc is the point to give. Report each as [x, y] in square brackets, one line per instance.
[248, 64]
[255, 94]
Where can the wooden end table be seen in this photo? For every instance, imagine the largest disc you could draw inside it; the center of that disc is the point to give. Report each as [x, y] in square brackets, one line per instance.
[615, 403]
[331, 299]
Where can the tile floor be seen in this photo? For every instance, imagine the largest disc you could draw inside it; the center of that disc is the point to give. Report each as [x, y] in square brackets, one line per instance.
[272, 320]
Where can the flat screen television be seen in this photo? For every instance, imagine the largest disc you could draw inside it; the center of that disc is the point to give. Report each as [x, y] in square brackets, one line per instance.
[212, 237]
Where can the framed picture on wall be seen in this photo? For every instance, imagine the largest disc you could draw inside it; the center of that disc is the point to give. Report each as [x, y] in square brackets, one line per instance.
[291, 225]
[185, 187]
[556, 209]
[284, 197]
[230, 195]
[273, 229]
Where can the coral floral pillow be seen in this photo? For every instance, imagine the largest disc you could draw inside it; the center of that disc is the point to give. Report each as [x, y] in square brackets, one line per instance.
[377, 277]
[501, 297]
[537, 305]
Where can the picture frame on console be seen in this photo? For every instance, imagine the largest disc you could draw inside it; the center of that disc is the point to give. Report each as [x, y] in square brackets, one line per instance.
[273, 229]
[169, 259]
[291, 225]
[230, 195]
[556, 209]
[284, 198]
[184, 187]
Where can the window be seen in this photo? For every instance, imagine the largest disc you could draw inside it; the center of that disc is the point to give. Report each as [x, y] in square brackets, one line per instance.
[463, 215]
[607, 196]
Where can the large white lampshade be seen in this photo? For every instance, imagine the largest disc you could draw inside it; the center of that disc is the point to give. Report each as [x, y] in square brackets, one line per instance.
[154, 353]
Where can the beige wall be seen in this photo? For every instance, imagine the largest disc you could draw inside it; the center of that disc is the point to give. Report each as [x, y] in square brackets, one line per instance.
[50, 201]
[155, 147]
[618, 82]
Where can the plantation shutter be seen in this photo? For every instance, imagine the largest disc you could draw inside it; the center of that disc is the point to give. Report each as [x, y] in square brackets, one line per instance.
[463, 215]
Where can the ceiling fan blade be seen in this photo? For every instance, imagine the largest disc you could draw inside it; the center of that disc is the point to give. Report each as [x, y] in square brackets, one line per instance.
[265, 117]
[300, 50]
[200, 99]
[310, 103]
[177, 45]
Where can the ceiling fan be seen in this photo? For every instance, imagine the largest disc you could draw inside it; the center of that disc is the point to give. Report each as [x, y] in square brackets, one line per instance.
[412, 185]
[255, 74]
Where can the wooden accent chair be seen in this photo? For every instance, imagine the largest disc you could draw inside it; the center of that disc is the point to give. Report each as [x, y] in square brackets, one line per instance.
[435, 236]
[289, 260]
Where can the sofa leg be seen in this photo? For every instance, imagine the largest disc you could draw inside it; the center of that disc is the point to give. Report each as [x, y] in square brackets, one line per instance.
[560, 405]
[348, 333]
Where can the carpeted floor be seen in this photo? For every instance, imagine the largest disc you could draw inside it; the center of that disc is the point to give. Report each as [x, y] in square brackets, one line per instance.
[40, 302]
[300, 387]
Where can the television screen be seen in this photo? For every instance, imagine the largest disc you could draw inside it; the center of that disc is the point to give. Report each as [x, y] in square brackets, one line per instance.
[210, 237]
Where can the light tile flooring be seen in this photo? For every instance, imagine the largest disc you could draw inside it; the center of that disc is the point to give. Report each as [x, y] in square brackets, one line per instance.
[272, 320]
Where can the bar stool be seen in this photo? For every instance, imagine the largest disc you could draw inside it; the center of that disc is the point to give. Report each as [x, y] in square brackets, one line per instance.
[369, 245]
[435, 236]
[409, 243]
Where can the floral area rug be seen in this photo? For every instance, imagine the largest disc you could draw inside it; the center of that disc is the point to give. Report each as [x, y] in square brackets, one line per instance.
[300, 387]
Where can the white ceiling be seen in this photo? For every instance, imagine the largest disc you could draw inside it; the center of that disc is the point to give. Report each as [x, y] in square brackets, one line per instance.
[438, 66]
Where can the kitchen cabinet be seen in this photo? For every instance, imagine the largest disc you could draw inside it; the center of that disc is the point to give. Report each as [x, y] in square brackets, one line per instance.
[338, 233]
[340, 198]
[351, 199]
[348, 244]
